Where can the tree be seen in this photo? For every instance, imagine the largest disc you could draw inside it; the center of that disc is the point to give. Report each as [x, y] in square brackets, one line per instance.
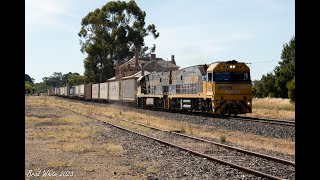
[76, 79]
[64, 79]
[29, 89]
[54, 81]
[268, 82]
[112, 33]
[41, 87]
[292, 90]
[258, 89]
[265, 87]
[285, 72]
[28, 78]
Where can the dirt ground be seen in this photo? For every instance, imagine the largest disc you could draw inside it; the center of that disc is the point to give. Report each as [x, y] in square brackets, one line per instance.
[61, 144]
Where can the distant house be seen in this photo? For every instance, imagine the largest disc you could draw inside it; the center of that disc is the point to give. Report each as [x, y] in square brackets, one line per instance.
[151, 64]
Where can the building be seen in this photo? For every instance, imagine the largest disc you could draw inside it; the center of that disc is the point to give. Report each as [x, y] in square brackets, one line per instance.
[151, 64]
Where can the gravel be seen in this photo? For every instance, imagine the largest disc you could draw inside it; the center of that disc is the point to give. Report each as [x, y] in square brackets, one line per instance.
[171, 162]
[263, 129]
[242, 159]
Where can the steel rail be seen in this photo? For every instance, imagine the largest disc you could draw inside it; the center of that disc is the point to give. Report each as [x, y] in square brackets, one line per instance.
[245, 169]
[283, 161]
[253, 119]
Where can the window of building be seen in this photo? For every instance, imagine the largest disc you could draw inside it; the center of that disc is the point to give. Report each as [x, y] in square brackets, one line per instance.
[210, 77]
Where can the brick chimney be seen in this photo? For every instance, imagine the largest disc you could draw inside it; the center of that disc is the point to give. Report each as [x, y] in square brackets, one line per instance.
[142, 69]
[136, 56]
[117, 69]
[172, 60]
[153, 57]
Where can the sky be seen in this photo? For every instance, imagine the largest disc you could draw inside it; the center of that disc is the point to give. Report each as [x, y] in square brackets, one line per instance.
[196, 32]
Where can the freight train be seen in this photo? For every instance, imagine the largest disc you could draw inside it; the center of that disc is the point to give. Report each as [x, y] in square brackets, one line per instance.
[222, 87]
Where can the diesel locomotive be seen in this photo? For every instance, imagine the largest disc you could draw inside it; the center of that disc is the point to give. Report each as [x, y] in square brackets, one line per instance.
[218, 88]
[222, 87]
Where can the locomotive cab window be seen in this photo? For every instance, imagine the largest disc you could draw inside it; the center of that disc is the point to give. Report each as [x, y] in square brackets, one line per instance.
[233, 76]
[240, 77]
[222, 76]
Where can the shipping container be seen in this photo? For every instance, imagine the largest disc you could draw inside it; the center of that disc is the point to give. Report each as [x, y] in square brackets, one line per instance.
[103, 92]
[61, 91]
[81, 90]
[87, 91]
[128, 90]
[114, 90]
[52, 92]
[72, 91]
[76, 91]
[95, 91]
[66, 91]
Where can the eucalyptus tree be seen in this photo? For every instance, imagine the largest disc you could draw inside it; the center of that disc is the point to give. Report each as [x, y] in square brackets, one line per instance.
[111, 33]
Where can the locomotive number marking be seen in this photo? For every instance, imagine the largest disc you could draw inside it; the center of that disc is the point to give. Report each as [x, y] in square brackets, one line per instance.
[232, 91]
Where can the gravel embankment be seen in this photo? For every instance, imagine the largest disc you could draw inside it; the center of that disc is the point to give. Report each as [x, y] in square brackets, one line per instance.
[171, 162]
[263, 129]
[141, 155]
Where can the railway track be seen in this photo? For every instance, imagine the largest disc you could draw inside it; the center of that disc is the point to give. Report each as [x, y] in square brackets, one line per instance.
[255, 163]
[270, 121]
[253, 119]
[241, 118]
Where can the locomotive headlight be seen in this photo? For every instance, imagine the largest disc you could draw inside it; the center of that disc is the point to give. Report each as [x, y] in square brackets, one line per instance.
[248, 103]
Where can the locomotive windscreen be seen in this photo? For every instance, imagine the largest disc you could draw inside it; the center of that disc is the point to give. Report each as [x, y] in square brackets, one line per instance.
[230, 76]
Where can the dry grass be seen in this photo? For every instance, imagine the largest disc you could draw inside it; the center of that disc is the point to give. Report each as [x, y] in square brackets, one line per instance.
[87, 168]
[154, 169]
[222, 138]
[57, 164]
[65, 132]
[73, 136]
[241, 138]
[273, 108]
[140, 165]
[75, 147]
[244, 139]
[273, 103]
[146, 167]
[112, 148]
[75, 139]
